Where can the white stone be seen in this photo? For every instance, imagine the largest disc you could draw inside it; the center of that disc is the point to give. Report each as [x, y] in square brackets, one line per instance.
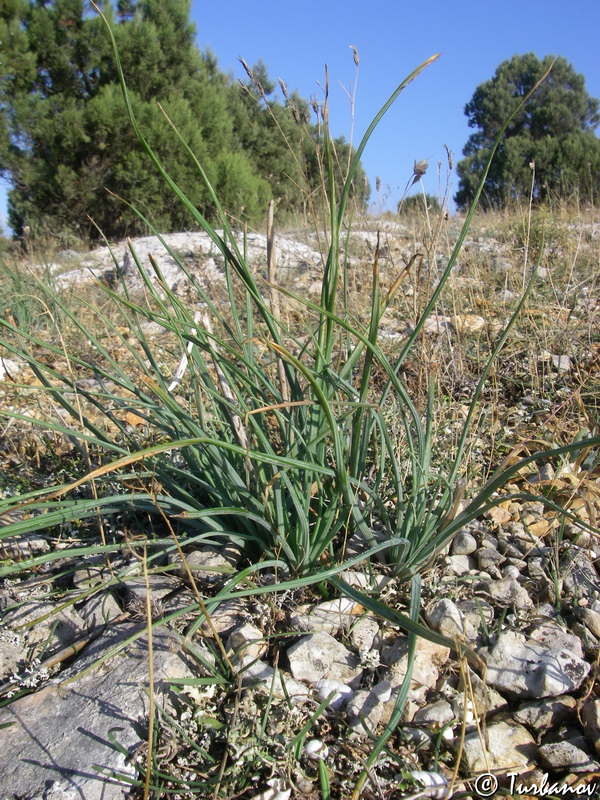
[445, 616]
[262, 675]
[316, 750]
[319, 656]
[429, 658]
[527, 669]
[510, 747]
[247, 643]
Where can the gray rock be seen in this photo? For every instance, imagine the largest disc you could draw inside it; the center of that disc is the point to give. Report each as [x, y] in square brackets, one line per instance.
[568, 756]
[458, 565]
[435, 714]
[510, 747]
[506, 592]
[477, 614]
[90, 573]
[319, 656]
[527, 669]
[543, 715]
[100, 609]
[590, 716]
[247, 643]
[364, 634]
[12, 652]
[330, 617]
[550, 634]
[274, 683]
[226, 616]
[53, 629]
[210, 564]
[62, 732]
[591, 620]
[22, 546]
[590, 644]
[429, 659]
[579, 574]
[463, 544]
[364, 710]
[489, 557]
[482, 700]
[445, 617]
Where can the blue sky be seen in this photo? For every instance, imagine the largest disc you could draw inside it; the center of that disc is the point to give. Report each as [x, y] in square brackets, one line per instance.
[392, 37]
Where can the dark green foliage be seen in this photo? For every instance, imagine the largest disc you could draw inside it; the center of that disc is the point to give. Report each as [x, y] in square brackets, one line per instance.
[415, 204]
[65, 138]
[551, 141]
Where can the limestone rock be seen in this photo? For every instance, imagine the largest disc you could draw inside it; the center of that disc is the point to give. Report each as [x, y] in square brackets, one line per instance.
[247, 643]
[458, 565]
[99, 610]
[544, 715]
[57, 628]
[210, 564]
[591, 620]
[429, 659]
[262, 675]
[435, 715]
[580, 576]
[319, 656]
[570, 755]
[590, 716]
[550, 634]
[330, 617]
[365, 708]
[445, 617]
[511, 747]
[507, 592]
[463, 544]
[60, 733]
[527, 669]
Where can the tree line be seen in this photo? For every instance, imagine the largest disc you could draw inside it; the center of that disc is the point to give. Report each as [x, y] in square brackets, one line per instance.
[69, 152]
[70, 155]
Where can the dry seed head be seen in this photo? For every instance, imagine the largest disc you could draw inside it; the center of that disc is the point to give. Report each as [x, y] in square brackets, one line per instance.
[355, 54]
[377, 184]
[284, 89]
[247, 68]
[450, 157]
[420, 168]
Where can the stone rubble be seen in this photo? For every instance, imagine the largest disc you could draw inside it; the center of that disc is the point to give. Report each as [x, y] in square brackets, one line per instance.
[494, 597]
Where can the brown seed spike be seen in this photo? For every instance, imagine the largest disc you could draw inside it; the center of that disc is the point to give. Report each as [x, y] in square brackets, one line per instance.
[355, 54]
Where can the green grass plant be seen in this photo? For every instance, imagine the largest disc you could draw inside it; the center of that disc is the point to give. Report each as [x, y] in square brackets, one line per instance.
[277, 442]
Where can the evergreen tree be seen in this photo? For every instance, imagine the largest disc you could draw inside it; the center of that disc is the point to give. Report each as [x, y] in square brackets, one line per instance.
[64, 134]
[65, 138]
[553, 135]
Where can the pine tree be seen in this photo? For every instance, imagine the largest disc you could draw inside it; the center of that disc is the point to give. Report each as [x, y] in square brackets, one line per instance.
[64, 134]
[69, 151]
[551, 141]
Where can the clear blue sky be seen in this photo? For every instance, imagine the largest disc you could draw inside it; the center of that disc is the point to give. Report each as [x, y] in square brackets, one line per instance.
[392, 37]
